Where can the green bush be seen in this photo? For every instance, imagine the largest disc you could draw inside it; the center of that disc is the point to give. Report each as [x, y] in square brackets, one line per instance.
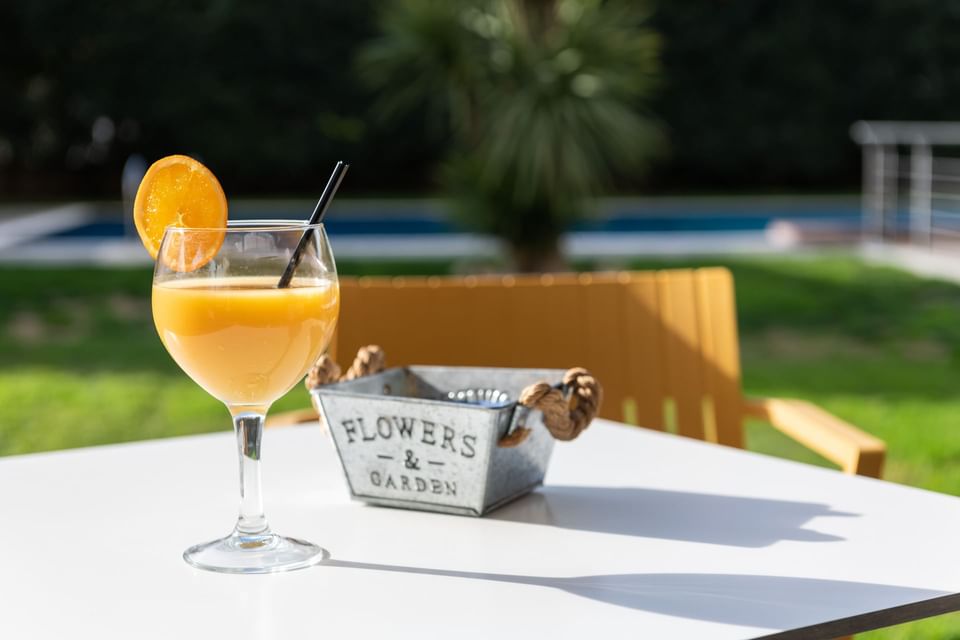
[759, 93]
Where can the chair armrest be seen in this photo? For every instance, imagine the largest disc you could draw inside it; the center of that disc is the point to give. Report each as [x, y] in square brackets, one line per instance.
[287, 418]
[834, 439]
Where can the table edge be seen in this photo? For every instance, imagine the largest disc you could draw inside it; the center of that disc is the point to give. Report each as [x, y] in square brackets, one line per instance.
[871, 620]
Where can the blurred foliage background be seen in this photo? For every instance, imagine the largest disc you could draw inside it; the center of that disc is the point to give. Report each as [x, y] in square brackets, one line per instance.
[752, 94]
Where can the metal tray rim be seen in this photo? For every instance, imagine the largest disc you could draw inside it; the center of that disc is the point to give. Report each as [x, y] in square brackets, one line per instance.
[331, 388]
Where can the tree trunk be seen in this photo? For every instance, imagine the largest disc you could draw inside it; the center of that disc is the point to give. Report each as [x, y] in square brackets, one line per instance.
[543, 258]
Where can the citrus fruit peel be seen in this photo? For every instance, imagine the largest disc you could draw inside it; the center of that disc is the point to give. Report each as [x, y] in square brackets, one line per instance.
[179, 191]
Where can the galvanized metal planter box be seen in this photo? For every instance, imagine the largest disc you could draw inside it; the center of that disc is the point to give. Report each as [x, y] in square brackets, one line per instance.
[406, 441]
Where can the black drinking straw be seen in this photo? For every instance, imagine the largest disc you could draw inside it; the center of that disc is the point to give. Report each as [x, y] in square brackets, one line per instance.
[333, 183]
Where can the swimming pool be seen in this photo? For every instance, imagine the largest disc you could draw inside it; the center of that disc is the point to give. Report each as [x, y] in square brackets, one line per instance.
[620, 228]
[383, 218]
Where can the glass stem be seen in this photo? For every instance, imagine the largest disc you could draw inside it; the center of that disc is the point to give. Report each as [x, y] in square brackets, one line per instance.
[249, 428]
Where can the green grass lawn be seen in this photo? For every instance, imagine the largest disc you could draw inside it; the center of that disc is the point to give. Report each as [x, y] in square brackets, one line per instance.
[80, 363]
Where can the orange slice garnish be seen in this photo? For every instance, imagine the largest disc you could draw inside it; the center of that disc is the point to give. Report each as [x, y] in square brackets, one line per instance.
[179, 191]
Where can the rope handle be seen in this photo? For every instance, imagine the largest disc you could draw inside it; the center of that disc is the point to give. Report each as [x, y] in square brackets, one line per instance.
[567, 410]
[370, 359]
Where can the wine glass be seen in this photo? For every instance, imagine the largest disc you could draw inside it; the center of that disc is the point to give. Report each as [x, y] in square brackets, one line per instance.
[247, 342]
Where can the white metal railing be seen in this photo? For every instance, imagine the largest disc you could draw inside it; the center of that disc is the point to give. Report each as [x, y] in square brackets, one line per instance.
[895, 153]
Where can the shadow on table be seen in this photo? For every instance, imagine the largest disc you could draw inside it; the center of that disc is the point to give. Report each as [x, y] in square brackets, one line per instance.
[673, 515]
[772, 602]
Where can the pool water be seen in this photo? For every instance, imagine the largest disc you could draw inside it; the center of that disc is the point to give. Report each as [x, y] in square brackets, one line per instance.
[614, 218]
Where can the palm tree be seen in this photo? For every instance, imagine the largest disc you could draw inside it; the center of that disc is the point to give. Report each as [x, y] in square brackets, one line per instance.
[540, 99]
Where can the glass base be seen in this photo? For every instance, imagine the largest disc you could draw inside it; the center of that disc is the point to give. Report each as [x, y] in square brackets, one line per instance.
[263, 553]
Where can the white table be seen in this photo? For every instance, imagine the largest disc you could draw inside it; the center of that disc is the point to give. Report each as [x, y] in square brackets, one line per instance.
[637, 534]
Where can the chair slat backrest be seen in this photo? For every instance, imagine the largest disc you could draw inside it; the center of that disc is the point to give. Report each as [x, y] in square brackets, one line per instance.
[682, 356]
[721, 353]
[663, 343]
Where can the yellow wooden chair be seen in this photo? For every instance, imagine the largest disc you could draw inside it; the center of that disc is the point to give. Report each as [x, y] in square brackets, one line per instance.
[663, 344]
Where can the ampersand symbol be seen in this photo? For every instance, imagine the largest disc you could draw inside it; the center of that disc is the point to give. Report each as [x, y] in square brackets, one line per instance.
[410, 462]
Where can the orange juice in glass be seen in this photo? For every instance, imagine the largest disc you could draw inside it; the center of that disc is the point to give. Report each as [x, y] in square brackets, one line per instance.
[242, 339]
[223, 318]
